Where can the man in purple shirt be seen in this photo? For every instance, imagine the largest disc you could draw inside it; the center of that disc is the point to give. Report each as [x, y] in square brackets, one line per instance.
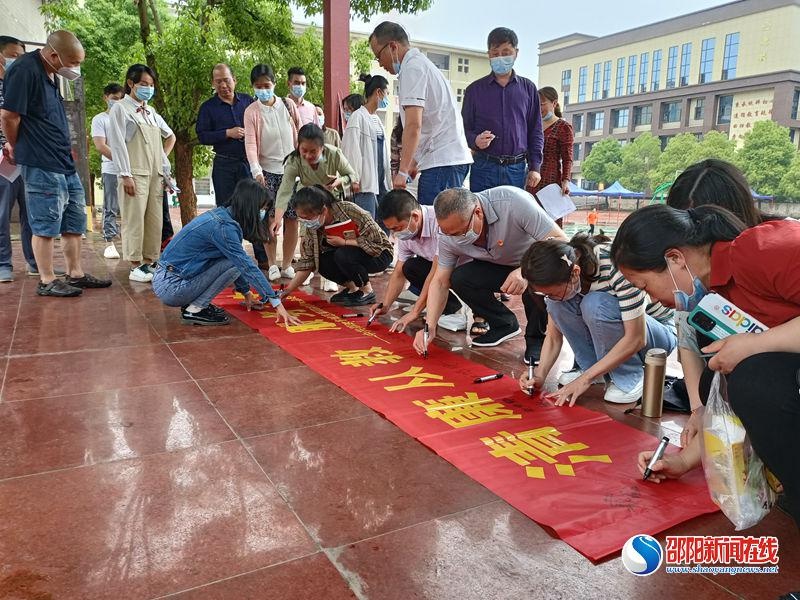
[502, 121]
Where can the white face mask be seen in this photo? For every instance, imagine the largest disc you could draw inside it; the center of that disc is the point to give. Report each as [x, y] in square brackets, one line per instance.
[68, 73]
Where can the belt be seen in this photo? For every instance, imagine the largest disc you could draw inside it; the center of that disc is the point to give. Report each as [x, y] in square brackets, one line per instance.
[504, 160]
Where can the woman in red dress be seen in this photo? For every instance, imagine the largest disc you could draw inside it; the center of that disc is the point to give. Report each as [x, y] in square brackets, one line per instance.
[558, 139]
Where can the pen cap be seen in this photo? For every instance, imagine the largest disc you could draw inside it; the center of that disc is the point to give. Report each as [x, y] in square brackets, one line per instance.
[655, 366]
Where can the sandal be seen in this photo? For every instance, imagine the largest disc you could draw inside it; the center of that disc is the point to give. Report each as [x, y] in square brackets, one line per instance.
[478, 328]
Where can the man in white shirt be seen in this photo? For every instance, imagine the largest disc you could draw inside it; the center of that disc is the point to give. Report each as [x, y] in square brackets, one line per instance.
[112, 94]
[433, 133]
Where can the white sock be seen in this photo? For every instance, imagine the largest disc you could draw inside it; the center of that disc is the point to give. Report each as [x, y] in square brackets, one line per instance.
[194, 309]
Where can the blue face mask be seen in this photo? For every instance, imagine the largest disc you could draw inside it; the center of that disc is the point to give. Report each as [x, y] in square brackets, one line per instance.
[265, 95]
[9, 62]
[406, 234]
[262, 214]
[347, 115]
[111, 102]
[384, 102]
[548, 116]
[311, 224]
[502, 65]
[683, 301]
[145, 92]
[298, 91]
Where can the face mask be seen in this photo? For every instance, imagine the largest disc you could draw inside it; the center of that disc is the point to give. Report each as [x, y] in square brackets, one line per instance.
[111, 102]
[298, 91]
[145, 92]
[683, 301]
[311, 224]
[572, 291]
[9, 62]
[265, 95]
[384, 102]
[68, 73]
[347, 115]
[502, 65]
[406, 234]
[469, 238]
[317, 160]
[321, 120]
[262, 213]
[548, 116]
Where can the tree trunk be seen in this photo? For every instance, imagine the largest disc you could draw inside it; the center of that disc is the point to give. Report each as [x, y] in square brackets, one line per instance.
[184, 176]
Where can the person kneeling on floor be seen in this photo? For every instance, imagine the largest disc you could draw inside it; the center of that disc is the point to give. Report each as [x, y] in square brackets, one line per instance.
[609, 324]
[207, 256]
[342, 243]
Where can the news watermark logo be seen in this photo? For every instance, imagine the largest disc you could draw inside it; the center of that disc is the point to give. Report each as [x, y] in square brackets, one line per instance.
[642, 555]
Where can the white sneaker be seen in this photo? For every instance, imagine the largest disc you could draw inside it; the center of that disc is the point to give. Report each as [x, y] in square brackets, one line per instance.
[141, 275]
[330, 286]
[288, 272]
[274, 273]
[309, 278]
[568, 377]
[111, 251]
[617, 396]
[407, 296]
[454, 322]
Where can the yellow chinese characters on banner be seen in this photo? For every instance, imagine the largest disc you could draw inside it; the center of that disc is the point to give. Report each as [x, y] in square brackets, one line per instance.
[366, 358]
[417, 379]
[542, 444]
[295, 312]
[313, 325]
[466, 410]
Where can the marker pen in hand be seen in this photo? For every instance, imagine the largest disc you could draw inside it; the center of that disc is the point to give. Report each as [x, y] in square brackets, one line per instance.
[530, 375]
[659, 453]
[488, 378]
[374, 314]
[425, 340]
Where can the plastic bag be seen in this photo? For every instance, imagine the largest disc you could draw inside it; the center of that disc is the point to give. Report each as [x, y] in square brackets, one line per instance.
[735, 475]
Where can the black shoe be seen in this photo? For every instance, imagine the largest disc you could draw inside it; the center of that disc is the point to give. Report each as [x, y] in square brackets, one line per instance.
[343, 296]
[88, 281]
[217, 310]
[58, 288]
[359, 298]
[204, 317]
[533, 350]
[496, 336]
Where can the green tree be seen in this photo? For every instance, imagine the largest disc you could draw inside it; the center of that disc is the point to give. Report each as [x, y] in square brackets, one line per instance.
[639, 162]
[790, 182]
[766, 155]
[716, 144]
[604, 163]
[681, 151]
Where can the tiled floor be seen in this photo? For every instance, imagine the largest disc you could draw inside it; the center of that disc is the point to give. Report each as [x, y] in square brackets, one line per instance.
[140, 458]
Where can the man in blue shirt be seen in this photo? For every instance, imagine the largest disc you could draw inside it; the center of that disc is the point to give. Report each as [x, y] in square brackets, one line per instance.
[502, 121]
[35, 125]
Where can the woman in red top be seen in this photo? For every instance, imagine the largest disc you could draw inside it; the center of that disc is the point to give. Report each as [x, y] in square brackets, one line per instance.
[558, 138]
[679, 256]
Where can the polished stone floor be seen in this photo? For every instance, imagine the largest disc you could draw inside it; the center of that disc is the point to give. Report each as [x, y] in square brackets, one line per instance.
[140, 458]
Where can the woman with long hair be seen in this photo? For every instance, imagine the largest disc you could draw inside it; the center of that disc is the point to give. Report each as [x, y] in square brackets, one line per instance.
[558, 139]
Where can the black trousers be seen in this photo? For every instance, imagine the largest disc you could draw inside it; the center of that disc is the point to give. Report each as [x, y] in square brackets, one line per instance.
[763, 392]
[167, 230]
[416, 270]
[477, 282]
[350, 263]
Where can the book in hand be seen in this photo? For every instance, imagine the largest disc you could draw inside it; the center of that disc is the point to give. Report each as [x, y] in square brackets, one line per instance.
[346, 229]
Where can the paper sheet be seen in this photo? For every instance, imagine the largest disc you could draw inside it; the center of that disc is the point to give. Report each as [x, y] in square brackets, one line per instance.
[7, 170]
[554, 202]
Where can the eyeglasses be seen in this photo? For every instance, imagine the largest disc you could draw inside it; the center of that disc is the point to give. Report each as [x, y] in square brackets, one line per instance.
[553, 298]
[458, 235]
[379, 52]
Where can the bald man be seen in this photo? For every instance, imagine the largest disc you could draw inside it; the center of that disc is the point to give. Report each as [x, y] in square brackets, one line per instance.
[35, 125]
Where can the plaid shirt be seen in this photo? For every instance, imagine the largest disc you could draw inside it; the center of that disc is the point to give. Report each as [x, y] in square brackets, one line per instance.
[557, 162]
[370, 237]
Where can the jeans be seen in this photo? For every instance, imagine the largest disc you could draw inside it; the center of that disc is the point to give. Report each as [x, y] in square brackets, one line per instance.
[10, 192]
[486, 174]
[368, 201]
[110, 207]
[174, 290]
[350, 263]
[592, 324]
[56, 202]
[416, 270]
[435, 180]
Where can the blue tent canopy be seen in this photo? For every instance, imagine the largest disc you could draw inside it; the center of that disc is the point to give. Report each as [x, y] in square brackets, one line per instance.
[758, 196]
[616, 190]
[574, 190]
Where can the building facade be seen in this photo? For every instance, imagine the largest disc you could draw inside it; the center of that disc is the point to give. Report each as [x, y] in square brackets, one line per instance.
[720, 69]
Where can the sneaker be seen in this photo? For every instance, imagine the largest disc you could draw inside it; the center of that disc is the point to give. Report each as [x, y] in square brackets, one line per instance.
[329, 286]
[309, 278]
[217, 310]
[407, 296]
[6, 276]
[110, 251]
[88, 281]
[288, 272]
[568, 377]
[359, 298]
[617, 396]
[496, 336]
[342, 296]
[58, 288]
[207, 316]
[274, 273]
[140, 274]
[454, 322]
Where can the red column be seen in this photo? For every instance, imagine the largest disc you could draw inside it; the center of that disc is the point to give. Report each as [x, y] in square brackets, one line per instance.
[336, 52]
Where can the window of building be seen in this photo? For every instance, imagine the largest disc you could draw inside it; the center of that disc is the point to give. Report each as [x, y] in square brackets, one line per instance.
[632, 74]
[576, 151]
[620, 85]
[699, 109]
[582, 72]
[795, 103]
[566, 80]
[643, 64]
[459, 95]
[671, 112]
[724, 109]
[707, 60]
[686, 61]
[642, 115]
[463, 65]
[596, 120]
[606, 79]
[656, 71]
[566, 98]
[589, 146]
[619, 117]
[442, 61]
[596, 82]
[731, 56]
[577, 124]
[672, 66]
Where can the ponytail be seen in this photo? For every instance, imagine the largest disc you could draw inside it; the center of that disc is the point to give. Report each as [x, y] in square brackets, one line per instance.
[550, 262]
[647, 234]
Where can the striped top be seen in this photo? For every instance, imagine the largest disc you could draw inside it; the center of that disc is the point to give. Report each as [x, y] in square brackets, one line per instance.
[633, 302]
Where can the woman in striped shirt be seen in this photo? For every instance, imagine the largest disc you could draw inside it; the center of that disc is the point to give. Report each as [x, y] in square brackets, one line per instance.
[609, 324]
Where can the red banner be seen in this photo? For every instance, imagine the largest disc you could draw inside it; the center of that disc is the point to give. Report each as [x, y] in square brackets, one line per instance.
[570, 469]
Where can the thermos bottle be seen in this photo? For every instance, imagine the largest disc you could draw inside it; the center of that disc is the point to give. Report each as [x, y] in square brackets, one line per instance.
[655, 366]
